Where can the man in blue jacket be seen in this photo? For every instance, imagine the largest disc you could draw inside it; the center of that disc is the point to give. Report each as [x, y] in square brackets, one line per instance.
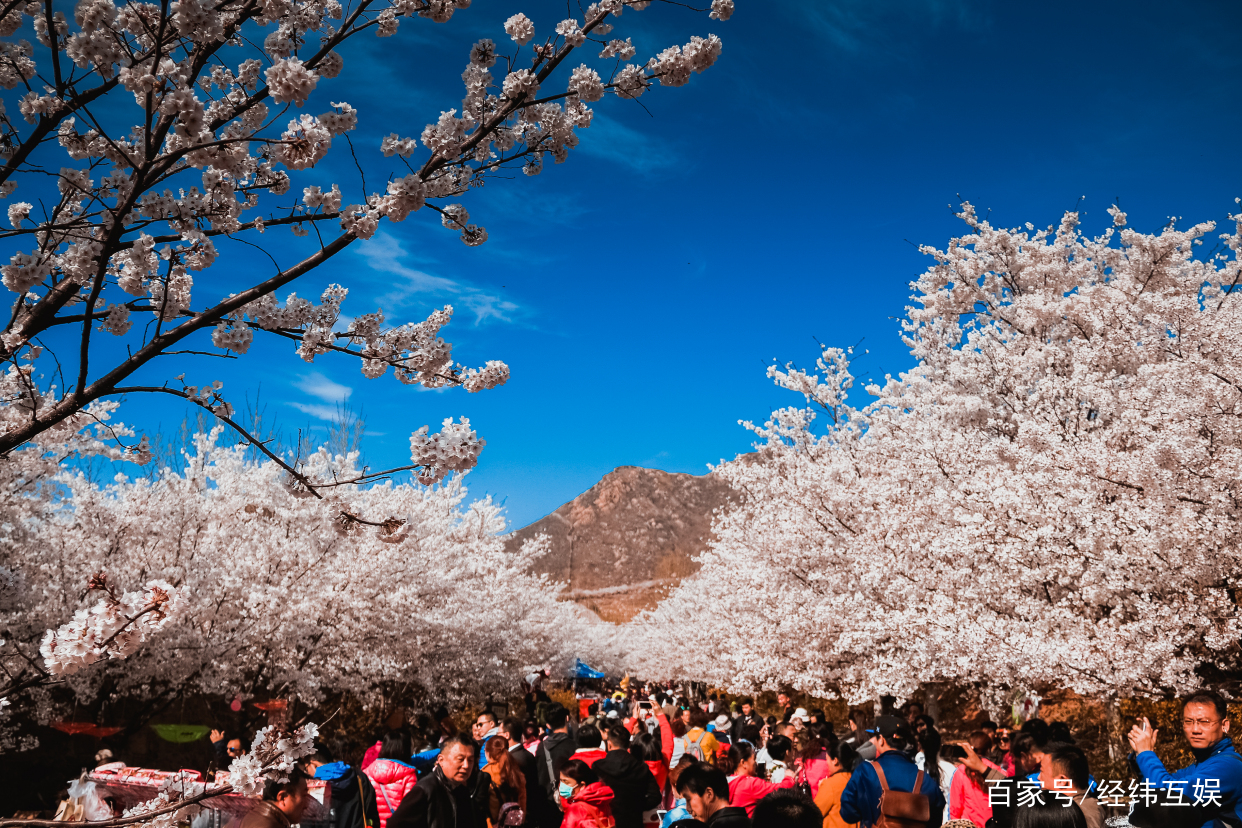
[893, 739]
[352, 803]
[483, 730]
[1215, 778]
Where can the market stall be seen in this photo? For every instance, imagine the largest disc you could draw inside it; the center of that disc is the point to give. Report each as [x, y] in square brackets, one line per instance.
[129, 786]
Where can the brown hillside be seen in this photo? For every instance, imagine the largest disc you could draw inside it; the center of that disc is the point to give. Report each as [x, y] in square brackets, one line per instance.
[626, 541]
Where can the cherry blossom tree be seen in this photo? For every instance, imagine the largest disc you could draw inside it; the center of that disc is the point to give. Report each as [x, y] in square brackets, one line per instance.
[182, 149]
[115, 627]
[1051, 495]
[281, 595]
[258, 576]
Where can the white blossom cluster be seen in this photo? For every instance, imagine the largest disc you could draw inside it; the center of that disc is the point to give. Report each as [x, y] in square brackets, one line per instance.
[416, 352]
[1049, 497]
[175, 789]
[85, 434]
[206, 396]
[115, 627]
[239, 541]
[454, 448]
[489, 376]
[273, 753]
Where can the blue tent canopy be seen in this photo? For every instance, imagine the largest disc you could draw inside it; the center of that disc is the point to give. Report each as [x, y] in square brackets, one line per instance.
[581, 670]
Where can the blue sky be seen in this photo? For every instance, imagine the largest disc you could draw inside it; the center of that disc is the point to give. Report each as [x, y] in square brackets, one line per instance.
[639, 290]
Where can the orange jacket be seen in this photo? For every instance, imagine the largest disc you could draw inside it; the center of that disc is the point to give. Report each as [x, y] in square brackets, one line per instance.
[828, 800]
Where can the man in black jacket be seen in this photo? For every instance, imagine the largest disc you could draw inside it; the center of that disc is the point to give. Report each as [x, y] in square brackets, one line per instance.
[634, 788]
[748, 717]
[706, 790]
[511, 729]
[353, 797]
[441, 799]
[556, 749]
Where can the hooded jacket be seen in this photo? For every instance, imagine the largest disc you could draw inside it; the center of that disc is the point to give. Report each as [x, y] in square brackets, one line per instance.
[815, 770]
[392, 781]
[353, 797]
[701, 744]
[591, 807]
[1219, 762]
[633, 786]
[828, 800]
[969, 799]
[677, 813]
[525, 761]
[589, 755]
[660, 769]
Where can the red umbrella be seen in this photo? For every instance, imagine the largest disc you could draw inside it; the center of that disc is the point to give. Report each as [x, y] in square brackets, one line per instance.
[274, 704]
[74, 728]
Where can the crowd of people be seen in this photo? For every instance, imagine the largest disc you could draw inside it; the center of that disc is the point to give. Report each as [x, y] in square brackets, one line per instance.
[655, 759]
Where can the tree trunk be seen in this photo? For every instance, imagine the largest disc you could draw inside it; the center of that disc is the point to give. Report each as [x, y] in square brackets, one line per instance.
[931, 706]
[1112, 708]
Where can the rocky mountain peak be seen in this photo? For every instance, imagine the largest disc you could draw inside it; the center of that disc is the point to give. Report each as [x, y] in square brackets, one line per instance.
[623, 543]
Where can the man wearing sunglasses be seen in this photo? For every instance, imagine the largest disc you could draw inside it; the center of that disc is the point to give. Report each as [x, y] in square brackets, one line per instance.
[226, 752]
[483, 729]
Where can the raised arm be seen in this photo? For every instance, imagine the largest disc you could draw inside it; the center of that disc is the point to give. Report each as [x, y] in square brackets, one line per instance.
[666, 734]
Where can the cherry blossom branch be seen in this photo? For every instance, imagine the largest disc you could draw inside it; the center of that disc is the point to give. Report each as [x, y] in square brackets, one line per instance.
[302, 479]
[82, 253]
[395, 361]
[220, 411]
[106, 385]
[120, 822]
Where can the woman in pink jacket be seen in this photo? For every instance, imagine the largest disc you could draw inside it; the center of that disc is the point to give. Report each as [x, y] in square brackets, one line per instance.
[812, 760]
[391, 774]
[746, 788]
[968, 796]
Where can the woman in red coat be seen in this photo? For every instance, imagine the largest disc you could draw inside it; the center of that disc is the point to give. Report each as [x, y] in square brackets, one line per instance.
[586, 801]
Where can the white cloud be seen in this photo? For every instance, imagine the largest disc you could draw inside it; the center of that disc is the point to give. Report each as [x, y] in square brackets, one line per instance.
[865, 27]
[485, 306]
[386, 253]
[317, 385]
[614, 141]
[319, 412]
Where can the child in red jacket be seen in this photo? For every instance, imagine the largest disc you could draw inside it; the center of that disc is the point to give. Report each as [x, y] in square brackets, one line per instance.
[586, 801]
